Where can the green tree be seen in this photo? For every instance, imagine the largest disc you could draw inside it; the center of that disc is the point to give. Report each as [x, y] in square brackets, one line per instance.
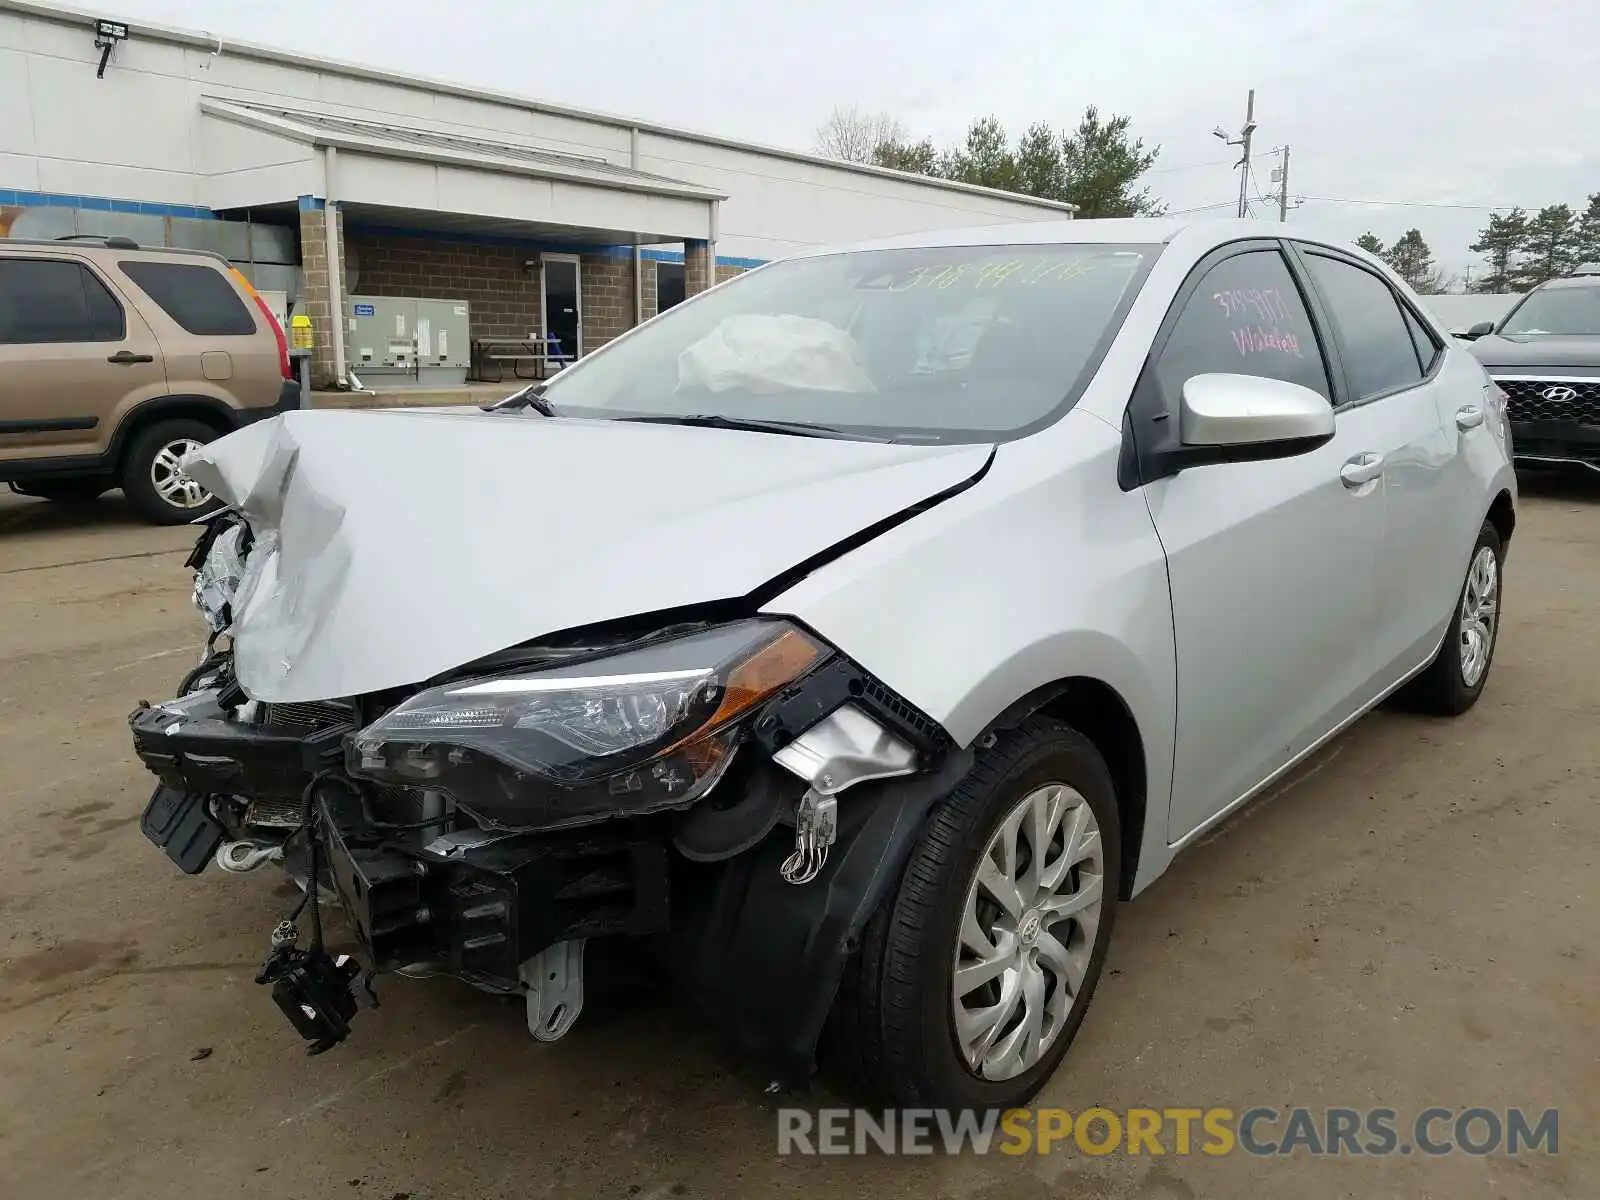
[919, 158]
[984, 159]
[1040, 170]
[1502, 241]
[1371, 243]
[1552, 244]
[1588, 232]
[1103, 164]
[1412, 260]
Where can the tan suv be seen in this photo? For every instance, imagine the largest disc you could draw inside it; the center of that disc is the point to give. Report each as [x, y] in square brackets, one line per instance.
[115, 361]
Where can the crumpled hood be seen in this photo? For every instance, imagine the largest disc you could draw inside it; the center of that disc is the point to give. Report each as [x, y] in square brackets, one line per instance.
[1536, 351]
[392, 545]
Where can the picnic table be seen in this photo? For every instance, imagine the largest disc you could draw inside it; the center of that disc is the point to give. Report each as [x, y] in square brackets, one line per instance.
[537, 353]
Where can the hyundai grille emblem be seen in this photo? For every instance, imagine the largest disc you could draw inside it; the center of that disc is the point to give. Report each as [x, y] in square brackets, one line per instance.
[1559, 393]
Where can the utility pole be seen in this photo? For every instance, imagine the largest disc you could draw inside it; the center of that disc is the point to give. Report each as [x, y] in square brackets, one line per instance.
[1243, 140]
[1283, 190]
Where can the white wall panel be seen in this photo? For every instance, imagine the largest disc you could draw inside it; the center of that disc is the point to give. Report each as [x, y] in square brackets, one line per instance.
[19, 172]
[128, 118]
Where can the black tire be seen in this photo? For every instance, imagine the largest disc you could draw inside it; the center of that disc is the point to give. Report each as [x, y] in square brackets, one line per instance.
[76, 490]
[140, 488]
[1442, 689]
[891, 1034]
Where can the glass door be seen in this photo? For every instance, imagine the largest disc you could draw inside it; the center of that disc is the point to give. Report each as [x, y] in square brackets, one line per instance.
[562, 305]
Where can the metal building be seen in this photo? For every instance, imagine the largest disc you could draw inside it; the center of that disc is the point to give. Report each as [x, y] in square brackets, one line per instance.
[326, 180]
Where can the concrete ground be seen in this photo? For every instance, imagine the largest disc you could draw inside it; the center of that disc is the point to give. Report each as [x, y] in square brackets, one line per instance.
[1411, 922]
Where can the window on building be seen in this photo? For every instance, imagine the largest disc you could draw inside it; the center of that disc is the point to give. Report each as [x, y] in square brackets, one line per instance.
[1376, 346]
[1245, 318]
[199, 298]
[669, 285]
[54, 300]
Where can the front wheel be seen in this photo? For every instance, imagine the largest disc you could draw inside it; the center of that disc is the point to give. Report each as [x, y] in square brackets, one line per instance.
[1454, 680]
[972, 980]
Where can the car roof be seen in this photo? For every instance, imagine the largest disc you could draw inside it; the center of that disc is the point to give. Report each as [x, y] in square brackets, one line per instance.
[121, 247]
[1124, 230]
[1570, 281]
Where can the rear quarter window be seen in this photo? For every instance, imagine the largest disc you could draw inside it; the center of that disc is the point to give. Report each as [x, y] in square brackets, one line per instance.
[198, 297]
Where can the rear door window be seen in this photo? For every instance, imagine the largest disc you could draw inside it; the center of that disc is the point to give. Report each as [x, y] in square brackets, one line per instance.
[1376, 345]
[198, 297]
[1246, 317]
[1427, 347]
[46, 300]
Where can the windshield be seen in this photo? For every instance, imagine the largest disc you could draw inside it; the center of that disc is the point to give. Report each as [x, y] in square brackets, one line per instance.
[1573, 311]
[967, 343]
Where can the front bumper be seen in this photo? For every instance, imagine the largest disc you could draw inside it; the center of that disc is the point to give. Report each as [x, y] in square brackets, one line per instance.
[465, 903]
[1556, 443]
[761, 957]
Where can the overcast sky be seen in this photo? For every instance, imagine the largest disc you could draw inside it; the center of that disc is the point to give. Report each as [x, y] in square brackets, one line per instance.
[1451, 106]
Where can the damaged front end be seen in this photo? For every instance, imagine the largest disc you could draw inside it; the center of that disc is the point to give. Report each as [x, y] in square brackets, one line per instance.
[725, 789]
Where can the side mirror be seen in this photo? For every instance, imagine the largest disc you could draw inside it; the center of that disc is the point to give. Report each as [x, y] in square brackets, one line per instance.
[1242, 418]
[1481, 329]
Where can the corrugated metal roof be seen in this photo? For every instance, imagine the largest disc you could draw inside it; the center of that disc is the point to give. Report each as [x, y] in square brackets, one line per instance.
[410, 141]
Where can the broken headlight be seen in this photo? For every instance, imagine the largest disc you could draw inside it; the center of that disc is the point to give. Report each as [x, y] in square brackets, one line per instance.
[642, 730]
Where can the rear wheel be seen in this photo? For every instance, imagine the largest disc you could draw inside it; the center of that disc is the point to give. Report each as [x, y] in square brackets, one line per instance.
[153, 477]
[972, 981]
[64, 491]
[1452, 683]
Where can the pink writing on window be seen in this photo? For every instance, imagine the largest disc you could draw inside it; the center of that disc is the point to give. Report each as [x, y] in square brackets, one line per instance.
[1260, 339]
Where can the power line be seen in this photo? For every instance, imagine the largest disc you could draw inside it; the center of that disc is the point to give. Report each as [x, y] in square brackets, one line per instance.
[1194, 166]
[1203, 208]
[1416, 204]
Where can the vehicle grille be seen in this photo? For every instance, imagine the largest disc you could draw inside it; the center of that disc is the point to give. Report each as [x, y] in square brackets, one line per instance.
[1532, 399]
[305, 718]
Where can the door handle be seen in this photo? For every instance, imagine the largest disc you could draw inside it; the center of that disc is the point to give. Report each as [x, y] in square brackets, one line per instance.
[125, 358]
[1361, 470]
[1469, 417]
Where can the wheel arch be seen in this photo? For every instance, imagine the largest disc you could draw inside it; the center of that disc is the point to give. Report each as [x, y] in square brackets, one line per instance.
[1503, 516]
[1098, 711]
[204, 409]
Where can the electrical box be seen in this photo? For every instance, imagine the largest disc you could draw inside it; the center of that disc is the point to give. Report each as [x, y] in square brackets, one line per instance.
[399, 341]
[278, 304]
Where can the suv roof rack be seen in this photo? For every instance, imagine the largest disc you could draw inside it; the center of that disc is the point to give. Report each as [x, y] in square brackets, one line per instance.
[110, 241]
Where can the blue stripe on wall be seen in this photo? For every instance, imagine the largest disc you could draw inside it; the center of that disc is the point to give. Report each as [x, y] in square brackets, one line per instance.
[103, 204]
[28, 199]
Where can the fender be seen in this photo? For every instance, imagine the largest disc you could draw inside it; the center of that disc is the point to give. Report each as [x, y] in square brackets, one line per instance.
[739, 921]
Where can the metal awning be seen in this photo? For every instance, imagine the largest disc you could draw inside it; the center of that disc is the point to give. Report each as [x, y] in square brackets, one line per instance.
[426, 145]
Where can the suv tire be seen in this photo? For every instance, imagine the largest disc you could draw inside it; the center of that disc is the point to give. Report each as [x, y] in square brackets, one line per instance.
[893, 1035]
[148, 473]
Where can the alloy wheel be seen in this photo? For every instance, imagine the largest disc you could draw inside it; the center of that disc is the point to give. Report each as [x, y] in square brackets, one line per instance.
[170, 480]
[1480, 608]
[1027, 932]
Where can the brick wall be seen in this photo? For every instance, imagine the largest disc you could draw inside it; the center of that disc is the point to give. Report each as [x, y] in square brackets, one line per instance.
[315, 301]
[647, 296]
[502, 293]
[696, 272]
[606, 285]
[726, 272]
